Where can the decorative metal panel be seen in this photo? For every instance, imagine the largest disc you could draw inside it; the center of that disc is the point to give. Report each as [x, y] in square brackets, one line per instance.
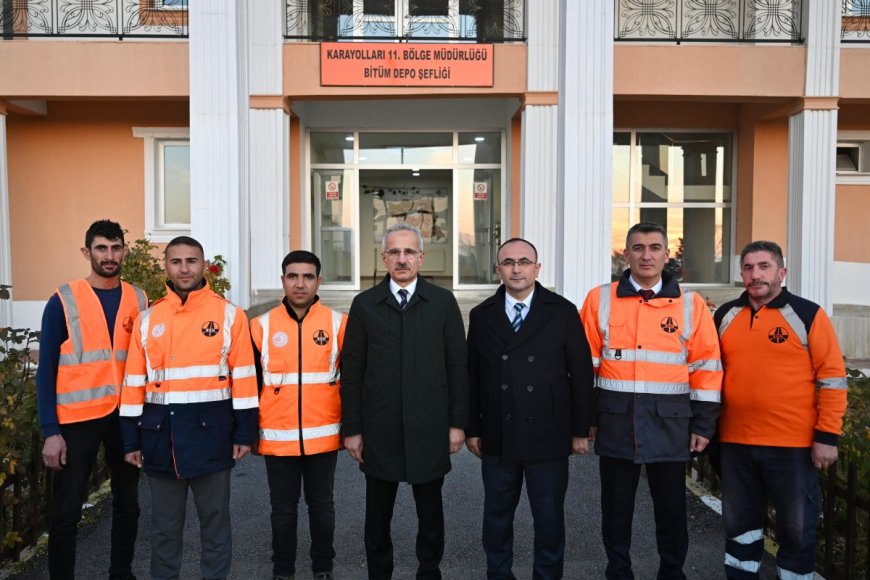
[855, 24]
[93, 18]
[709, 20]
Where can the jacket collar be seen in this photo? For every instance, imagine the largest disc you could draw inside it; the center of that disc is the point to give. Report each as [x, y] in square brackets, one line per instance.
[382, 293]
[194, 299]
[541, 296]
[778, 302]
[670, 286]
[292, 313]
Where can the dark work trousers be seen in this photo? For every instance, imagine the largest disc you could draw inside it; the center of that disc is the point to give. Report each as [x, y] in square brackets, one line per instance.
[667, 485]
[380, 499]
[211, 496]
[288, 476]
[752, 474]
[546, 484]
[83, 442]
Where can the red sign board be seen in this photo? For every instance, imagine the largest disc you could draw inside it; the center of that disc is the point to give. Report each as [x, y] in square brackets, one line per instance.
[384, 64]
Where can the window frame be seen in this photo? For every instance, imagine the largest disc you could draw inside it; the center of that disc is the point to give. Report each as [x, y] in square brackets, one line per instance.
[634, 205]
[155, 138]
[862, 140]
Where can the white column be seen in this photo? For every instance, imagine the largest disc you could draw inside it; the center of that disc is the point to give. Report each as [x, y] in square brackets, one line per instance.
[811, 195]
[539, 138]
[540, 185]
[585, 144]
[218, 136]
[812, 168]
[5, 234]
[269, 147]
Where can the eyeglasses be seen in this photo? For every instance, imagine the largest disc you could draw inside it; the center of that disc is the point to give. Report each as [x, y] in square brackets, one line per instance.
[394, 253]
[510, 263]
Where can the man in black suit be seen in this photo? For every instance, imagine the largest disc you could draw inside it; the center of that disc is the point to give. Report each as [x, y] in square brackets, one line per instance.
[404, 398]
[531, 383]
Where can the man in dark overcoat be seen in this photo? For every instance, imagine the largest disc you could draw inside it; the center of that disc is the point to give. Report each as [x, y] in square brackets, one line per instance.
[404, 390]
[531, 386]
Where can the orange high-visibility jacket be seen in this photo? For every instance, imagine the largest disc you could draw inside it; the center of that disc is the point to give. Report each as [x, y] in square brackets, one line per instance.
[666, 346]
[785, 381]
[300, 404]
[91, 366]
[190, 353]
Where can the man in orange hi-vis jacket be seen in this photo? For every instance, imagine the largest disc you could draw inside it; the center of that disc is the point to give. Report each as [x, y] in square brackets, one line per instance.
[658, 378]
[298, 346]
[86, 330]
[783, 402]
[189, 409]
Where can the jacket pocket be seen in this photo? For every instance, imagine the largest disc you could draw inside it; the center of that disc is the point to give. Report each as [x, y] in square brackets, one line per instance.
[216, 433]
[156, 439]
[618, 336]
[674, 419]
[615, 434]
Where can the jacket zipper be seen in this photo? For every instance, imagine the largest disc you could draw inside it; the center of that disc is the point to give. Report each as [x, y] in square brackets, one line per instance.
[299, 385]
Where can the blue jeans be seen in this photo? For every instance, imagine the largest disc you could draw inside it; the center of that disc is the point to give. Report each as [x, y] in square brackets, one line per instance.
[83, 442]
[752, 474]
[288, 476]
[546, 484]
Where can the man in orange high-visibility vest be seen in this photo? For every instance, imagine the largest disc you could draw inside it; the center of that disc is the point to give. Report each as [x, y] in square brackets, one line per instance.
[658, 386]
[297, 347]
[86, 329]
[189, 409]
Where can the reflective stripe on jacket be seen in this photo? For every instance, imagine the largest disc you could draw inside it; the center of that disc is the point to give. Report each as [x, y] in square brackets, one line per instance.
[300, 403]
[91, 364]
[188, 355]
[658, 370]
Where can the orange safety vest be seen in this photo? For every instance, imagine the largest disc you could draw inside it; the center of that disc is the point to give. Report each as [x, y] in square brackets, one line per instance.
[91, 366]
[658, 347]
[196, 352]
[300, 404]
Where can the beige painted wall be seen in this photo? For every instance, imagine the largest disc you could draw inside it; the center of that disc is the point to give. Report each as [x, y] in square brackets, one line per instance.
[78, 164]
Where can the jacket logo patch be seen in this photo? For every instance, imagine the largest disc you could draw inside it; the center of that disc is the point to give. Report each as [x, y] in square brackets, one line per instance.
[777, 335]
[669, 325]
[321, 337]
[128, 324]
[158, 330]
[279, 339]
[210, 328]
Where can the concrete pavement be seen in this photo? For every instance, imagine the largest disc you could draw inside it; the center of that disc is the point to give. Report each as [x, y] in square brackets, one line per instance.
[463, 492]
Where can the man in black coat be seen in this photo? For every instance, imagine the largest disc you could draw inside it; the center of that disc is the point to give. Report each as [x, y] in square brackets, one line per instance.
[531, 385]
[404, 394]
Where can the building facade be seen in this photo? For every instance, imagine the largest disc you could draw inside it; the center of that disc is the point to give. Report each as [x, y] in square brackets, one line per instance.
[263, 125]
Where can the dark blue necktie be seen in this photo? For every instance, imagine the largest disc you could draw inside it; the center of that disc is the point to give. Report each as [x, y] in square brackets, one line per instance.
[518, 317]
[404, 295]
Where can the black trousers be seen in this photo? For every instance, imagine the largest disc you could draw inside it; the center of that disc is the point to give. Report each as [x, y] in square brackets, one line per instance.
[288, 476]
[546, 484]
[380, 499]
[83, 442]
[667, 485]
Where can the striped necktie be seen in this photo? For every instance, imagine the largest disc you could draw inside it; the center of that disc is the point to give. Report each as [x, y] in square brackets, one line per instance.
[518, 317]
[646, 294]
[404, 295]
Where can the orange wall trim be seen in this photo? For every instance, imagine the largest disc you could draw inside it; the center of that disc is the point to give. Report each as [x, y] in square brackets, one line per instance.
[853, 205]
[541, 98]
[44, 69]
[815, 104]
[269, 102]
[516, 175]
[854, 80]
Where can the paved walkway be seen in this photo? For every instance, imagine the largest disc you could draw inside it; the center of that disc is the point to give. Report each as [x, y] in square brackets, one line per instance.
[463, 559]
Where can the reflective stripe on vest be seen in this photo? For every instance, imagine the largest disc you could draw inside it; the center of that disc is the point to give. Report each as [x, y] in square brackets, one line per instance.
[728, 319]
[307, 433]
[86, 395]
[221, 369]
[271, 379]
[644, 355]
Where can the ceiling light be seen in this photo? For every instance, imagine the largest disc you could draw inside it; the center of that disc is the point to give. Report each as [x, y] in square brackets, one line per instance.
[349, 138]
[478, 139]
[416, 174]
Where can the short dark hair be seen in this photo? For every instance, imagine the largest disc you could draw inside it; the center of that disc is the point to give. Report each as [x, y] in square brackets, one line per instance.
[183, 241]
[646, 228]
[104, 228]
[300, 257]
[763, 246]
[512, 240]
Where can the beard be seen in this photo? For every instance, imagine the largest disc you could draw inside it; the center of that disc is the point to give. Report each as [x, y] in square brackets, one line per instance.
[106, 268]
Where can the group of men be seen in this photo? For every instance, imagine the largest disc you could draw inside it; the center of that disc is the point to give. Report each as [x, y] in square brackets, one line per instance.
[184, 388]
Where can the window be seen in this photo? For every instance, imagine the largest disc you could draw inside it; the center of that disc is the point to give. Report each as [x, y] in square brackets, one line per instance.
[853, 157]
[167, 182]
[684, 182]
